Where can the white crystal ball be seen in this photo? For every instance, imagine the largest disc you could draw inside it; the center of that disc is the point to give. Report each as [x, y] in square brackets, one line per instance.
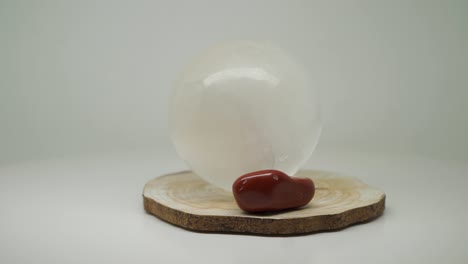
[244, 106]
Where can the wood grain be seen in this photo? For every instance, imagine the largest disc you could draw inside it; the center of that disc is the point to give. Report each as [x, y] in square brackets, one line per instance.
[188, 201]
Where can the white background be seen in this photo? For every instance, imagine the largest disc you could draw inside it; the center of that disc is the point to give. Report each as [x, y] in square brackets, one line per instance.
[84, 88]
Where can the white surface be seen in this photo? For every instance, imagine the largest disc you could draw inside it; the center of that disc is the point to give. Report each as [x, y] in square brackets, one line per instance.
[91, 211]
[244, 106]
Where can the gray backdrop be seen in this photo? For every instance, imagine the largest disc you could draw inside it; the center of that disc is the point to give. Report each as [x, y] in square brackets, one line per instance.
[83, 77]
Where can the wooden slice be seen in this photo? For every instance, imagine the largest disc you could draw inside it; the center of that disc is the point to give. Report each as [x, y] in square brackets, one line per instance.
[188, 201]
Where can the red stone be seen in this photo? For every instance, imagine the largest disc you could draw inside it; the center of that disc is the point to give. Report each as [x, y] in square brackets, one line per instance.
[271, 190]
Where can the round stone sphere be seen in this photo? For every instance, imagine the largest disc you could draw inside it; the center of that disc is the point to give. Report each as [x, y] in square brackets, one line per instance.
[244, 106]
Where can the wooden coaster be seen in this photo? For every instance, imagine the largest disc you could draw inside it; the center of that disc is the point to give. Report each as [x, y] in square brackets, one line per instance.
[188, 201]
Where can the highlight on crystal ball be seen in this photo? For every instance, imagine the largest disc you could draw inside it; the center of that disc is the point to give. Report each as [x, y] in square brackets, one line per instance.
[244, 106]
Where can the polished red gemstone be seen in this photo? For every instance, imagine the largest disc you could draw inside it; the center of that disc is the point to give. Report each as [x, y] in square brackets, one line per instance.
[271, 190]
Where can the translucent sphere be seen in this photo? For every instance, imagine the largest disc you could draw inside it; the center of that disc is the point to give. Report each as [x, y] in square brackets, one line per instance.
[244, 106]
